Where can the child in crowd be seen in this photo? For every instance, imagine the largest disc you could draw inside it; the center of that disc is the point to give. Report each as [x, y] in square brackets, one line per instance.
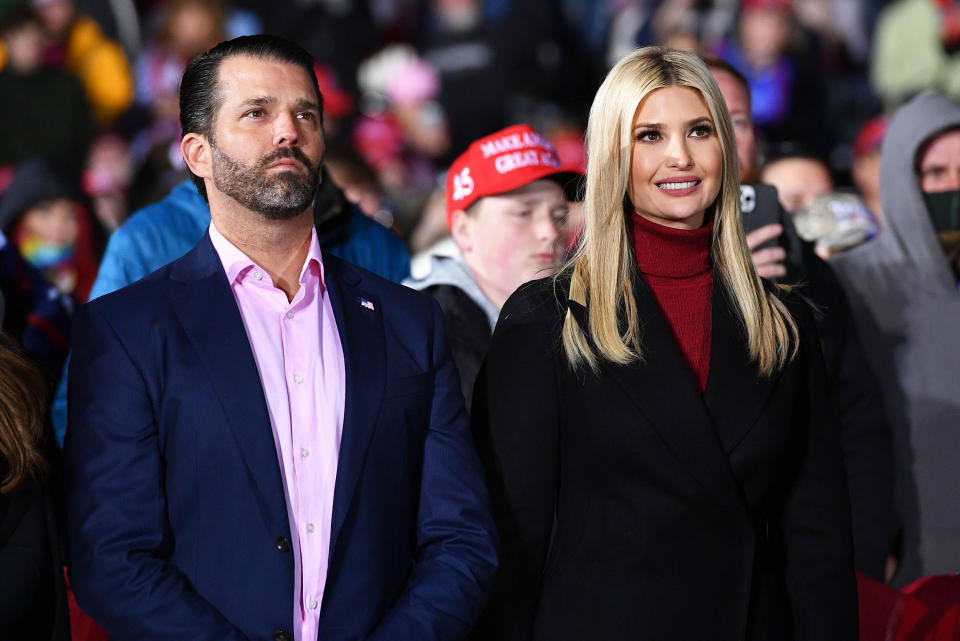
[507, 212]
[42, 214]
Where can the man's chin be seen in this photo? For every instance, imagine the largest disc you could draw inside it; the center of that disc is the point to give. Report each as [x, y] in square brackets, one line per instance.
[280, 214]
[287, 201]
[290, 180]
[284, 210]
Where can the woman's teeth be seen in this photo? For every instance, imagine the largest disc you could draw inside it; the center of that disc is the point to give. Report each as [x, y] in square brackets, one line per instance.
[684, 185]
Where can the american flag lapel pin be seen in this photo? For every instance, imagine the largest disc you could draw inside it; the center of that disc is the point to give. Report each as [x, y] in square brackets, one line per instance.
[366, 304]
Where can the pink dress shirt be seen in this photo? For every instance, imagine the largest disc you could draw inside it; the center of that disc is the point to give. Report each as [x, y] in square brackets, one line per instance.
[298, 354]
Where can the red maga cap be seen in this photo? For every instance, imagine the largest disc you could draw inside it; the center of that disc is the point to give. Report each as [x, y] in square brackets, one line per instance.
[499, 163]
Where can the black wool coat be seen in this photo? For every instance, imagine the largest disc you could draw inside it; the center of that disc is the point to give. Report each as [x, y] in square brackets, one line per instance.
[631, 507]
[33, 602]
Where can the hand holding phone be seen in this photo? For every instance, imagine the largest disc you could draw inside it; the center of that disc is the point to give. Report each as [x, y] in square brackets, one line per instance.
[764, 229]
[768, 259]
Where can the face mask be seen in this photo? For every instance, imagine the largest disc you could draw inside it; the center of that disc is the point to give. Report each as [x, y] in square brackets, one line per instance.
[44, 255]
[944, 210]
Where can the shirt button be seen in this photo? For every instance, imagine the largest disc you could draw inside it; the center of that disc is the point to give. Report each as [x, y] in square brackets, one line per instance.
[309, 527]
[298, 378]
[289, 314]
[282, 544]
[257, 275]
[280, 635]
[304, 452]
[313, 605]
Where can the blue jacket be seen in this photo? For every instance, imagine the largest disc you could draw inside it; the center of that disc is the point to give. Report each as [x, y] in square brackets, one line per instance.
[175, 500]
[164, 231]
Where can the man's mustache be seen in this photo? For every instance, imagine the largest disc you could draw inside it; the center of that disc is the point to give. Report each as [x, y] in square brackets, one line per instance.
[287, 152]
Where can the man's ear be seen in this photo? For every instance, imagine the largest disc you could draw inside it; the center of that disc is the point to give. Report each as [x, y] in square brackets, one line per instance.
[460, 229]
[196, 153]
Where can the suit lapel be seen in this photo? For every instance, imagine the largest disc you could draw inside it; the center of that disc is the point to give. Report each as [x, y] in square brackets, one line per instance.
[360, 325]
[736, 395]
[209, 315]
[663, 389]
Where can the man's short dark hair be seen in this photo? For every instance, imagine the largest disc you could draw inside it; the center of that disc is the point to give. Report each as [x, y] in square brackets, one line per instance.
[794, 150]
[200, 98]
[715, 62]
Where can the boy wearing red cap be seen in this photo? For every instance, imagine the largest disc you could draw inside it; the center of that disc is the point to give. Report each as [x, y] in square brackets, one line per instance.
[507, 211]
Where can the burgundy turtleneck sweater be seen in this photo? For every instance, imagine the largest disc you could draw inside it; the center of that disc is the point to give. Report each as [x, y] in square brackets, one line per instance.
[676, 265]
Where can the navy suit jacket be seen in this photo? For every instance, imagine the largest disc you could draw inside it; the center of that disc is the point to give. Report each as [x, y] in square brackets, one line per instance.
[178, 527]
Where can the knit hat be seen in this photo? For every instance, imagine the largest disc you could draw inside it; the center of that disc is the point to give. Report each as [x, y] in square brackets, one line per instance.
[36, 180]
[501, 162]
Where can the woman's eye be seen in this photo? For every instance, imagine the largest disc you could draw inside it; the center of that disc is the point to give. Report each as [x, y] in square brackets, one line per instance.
[648, 136]
[701, 130]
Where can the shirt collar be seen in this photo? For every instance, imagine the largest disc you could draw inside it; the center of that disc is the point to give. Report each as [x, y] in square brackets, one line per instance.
[236, 264]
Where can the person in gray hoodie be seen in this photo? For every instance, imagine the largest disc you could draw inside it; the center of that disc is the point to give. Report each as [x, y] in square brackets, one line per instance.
[903, 292]
[507, 211]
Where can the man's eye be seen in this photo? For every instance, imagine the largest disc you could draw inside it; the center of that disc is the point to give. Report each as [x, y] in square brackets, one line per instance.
[307, 115]
[254, 113]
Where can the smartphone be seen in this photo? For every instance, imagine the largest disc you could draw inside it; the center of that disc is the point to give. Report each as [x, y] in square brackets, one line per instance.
[759, 206]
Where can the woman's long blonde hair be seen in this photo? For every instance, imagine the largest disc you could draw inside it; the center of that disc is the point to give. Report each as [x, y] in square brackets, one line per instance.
[601, 267]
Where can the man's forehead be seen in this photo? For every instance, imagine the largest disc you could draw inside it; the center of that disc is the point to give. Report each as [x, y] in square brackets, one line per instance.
[241, 76]
[941, 147]
[800, 168]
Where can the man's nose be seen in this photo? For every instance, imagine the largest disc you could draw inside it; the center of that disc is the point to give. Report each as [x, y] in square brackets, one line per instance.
[285, 130]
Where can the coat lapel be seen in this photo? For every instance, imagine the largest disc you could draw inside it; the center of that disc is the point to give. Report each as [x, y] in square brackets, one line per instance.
[360, 325]
[209, 315]
[663, 389]
[736, 394]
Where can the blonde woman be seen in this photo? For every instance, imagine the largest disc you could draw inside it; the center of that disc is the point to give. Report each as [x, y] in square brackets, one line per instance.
[661, 461]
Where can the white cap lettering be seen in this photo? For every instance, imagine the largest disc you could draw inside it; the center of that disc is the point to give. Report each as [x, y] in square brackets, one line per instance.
[462, 184]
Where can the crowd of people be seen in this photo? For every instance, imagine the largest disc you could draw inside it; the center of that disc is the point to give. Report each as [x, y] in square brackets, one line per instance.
[688, 272]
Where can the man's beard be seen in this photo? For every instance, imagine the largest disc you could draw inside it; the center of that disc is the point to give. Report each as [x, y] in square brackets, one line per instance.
[279, 197]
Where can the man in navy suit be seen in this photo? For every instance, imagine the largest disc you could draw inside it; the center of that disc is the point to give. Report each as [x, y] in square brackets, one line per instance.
[266, 442]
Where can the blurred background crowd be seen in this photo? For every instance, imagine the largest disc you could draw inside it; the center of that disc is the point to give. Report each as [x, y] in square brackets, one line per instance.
[89, 115]
[91, 86]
